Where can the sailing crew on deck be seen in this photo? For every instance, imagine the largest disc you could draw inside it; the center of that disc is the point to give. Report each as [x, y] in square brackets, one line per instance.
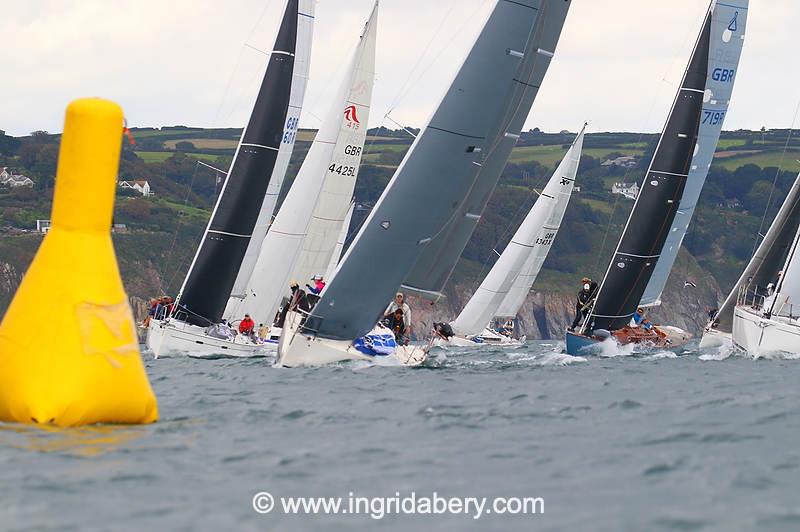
[247, 325]
[400, 303]
[585, 297]
[297, 301]
[638, 317]
[398, 326]
[319, 285]
[443, 330]
[263, 332]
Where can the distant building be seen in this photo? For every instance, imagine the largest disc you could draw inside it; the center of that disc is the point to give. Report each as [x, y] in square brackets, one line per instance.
[119, 228]
[733, 204]
[10, 179]
[42, 226]
[625, 161]
[142, 187]
[576, 189]
[628, 190]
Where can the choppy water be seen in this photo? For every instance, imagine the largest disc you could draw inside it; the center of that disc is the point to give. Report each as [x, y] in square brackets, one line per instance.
[642, 442]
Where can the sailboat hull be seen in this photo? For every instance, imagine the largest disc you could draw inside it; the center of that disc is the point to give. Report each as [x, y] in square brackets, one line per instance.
[176, 338]
[659, 337]
[487, 337]
[758, 335]
[714, 338]
[296, 349]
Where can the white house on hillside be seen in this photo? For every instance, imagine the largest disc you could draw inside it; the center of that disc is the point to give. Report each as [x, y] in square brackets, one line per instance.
[142, 187]
[628, 190]
[10, 179]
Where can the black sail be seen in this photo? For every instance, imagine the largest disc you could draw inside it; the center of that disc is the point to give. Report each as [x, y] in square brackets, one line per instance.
[658, 201]
[211, 277]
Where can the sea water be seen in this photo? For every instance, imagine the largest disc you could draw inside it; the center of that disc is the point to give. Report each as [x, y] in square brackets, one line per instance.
[661, 440]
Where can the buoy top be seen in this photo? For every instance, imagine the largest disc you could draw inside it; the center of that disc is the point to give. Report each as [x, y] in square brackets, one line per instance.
[88, 159]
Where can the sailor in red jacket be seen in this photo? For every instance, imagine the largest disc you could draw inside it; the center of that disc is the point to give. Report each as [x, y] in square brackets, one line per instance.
[247, 325]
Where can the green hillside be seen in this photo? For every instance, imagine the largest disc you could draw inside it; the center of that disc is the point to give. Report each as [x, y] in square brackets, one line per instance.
[163, 230]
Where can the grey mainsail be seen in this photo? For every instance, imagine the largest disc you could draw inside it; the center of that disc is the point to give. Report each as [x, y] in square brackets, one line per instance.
[763, 268]
[436, 264]
[433, 181]
[728, 26]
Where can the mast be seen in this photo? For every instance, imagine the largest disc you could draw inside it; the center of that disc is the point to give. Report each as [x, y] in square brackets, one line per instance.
[331, 165]
[531, 243]
[437, 262]
[216, 264]
[433, 181]
[302, 64]
[728, 27]
[659, 198]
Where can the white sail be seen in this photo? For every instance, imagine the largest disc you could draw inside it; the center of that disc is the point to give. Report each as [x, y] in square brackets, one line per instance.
[728, 27]
[786, 301]
[302, 64]
[337, 252]
[505, 287]
[333, 160]
[337, 191]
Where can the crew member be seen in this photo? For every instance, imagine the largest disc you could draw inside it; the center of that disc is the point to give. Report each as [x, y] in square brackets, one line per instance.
[584, 301]
[399, 302]
[247, 325]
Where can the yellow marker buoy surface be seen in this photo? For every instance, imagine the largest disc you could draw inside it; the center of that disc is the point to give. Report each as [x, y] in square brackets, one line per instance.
[69, 354]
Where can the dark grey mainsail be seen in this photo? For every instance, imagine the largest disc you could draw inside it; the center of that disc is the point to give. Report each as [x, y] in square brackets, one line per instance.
[213, 272]
[659, 198]
[768, 259]
[436, 264]
[430, 186]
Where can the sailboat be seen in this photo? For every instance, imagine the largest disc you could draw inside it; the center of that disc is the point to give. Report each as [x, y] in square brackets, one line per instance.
[302, 65]
[503, 291]
[194, 325]
[428, 191]
[771, 323]
[729, 24]
[653, 217]
[303, 237]
[762, 270]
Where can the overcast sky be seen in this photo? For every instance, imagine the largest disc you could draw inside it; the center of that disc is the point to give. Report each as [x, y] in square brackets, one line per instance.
[188, 62]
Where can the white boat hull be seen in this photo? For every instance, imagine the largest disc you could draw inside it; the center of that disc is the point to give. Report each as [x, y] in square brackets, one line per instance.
[758, 335]
[297, 349]
[714, 338]
[487, 337]
[176, 338]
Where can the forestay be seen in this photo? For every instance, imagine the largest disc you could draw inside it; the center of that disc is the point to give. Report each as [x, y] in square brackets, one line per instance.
[333, 160]
[431, 184]
[654, 210]
[728, 25]
[436, 263]
[525, 253]
[213, 271]
[302, 64]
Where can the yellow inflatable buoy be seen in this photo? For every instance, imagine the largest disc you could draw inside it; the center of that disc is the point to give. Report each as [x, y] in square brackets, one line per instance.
[68, 348]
